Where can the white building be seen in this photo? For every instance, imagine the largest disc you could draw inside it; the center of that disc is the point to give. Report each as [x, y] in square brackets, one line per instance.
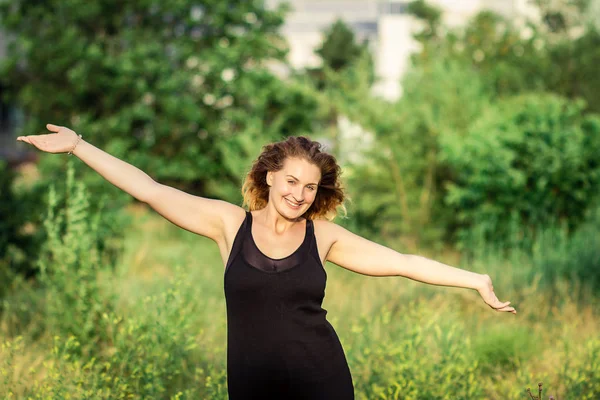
[385, 24]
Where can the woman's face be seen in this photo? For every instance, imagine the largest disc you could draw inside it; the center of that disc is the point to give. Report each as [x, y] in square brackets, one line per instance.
[294, 187]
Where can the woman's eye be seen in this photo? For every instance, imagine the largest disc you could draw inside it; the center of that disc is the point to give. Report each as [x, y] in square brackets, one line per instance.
[291, 182]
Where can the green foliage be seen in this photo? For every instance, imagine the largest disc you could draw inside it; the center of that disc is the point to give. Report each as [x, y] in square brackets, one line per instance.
[429, 14]
[399, 183]
[531, 158]
[339, 48]
[165, 336]
[573, 65]
[69, 263]
[342, 57]
[558, 254]
[11, 222]
[21, 227]
[148, 355]
[166, 86]
[418, 361]
[506, 59]
[9, 225]
[515, 59]
[504, 348]
[19, 239]
[582, 377]
[457, 77]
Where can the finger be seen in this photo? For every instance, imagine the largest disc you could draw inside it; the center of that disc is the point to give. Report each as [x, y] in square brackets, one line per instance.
[507, 309]
[53, 128]
[36, 143]
[23, 139]
[499, 304]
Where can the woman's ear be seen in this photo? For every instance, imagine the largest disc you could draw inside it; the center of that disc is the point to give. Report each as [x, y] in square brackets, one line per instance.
[269, 178]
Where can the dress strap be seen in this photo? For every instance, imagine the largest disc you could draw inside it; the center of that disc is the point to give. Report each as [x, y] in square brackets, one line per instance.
[238, 241]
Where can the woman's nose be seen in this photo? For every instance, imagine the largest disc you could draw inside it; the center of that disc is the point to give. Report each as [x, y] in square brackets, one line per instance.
[298, 195]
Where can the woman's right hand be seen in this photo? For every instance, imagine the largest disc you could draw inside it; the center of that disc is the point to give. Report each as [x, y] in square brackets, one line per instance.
[61, 141]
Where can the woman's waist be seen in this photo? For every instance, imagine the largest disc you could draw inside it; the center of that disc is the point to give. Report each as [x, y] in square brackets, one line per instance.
[291, 328]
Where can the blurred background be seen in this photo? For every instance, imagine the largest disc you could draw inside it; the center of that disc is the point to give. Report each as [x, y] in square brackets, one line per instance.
[468, 131]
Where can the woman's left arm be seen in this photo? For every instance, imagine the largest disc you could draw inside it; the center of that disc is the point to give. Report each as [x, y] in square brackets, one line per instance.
[365, 257]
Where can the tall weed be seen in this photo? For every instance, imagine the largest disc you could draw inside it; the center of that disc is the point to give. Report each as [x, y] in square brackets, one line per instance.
[548, 255]
[69, 264]
[420, 357]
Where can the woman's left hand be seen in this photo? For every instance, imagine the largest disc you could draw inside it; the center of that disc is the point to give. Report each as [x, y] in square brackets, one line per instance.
[487, 294]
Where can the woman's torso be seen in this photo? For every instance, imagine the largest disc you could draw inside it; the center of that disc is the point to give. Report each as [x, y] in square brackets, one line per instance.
[277, 328]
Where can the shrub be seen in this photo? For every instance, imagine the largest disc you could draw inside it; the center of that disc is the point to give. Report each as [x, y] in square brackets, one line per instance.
[69, 262]
[575, 257]
[505, 348]
[531, 159]
[421, 360]
[153, 354]
[17, 245]
[582, 378]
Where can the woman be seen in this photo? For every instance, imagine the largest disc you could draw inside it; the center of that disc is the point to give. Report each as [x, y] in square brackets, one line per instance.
[279, 343]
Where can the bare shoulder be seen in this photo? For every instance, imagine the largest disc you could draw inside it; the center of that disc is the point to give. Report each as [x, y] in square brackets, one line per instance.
[326, 234]
[232, 216]
[328, 228]
[358, 254]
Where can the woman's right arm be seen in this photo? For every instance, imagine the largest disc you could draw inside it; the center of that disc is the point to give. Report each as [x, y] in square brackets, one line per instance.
[193, 213]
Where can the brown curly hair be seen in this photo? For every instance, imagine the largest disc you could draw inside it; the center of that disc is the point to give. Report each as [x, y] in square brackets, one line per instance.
[330, 194]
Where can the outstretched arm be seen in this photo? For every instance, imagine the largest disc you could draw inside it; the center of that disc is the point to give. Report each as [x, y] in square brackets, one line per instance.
[365, 257]
[121, 174]
[193, 213]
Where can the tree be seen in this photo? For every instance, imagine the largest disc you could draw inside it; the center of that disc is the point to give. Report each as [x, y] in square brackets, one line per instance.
[180, 89]
[339, 48]
[430, 15]
[339, 51]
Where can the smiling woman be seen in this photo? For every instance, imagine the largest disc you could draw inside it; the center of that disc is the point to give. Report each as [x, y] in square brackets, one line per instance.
[279, 342]
[289, 160]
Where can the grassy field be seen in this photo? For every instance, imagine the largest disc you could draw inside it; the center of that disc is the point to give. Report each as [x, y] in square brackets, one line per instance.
[155, 327]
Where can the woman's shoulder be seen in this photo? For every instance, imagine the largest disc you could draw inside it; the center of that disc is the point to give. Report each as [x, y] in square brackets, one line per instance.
[324, 225]
[330, 229]
[233, 215]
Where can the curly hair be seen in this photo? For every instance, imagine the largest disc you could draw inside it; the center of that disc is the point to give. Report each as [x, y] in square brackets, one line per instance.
[330, 194]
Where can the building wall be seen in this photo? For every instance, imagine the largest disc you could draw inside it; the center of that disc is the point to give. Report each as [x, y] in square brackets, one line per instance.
[392, 54]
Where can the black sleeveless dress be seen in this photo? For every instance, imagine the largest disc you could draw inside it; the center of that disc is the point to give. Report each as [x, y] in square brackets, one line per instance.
[279, 343]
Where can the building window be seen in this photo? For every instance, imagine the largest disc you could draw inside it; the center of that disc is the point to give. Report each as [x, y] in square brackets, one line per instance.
[393, 7]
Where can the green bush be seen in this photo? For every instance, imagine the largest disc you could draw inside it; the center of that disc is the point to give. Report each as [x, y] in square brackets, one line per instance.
[582, 378]
[401, 359]
[572, 256]
[151, 351]
[529, 160]
[17, 247]
[504, 347]
[70, 261]
[22, 215]
[397, 185]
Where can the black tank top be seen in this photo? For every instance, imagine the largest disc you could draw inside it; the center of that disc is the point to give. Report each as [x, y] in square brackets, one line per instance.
[277, 332]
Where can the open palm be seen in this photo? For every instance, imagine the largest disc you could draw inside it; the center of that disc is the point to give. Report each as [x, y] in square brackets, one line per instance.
[61, 140]
[487, 294]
